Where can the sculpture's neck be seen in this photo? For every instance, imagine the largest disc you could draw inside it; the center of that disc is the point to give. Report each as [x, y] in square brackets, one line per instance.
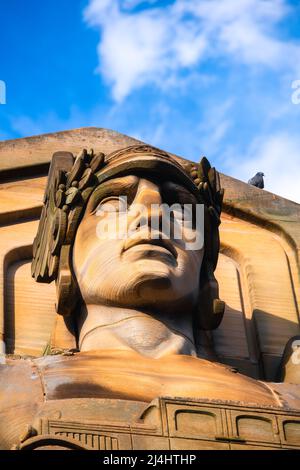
[105, 327]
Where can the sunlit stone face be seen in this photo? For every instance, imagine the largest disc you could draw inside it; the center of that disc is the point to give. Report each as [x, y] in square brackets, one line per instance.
[125, 265]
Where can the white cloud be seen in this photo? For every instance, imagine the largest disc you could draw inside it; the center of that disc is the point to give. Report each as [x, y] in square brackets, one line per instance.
[215, 125]
[151, 45]
[278, 156]
[133, 3]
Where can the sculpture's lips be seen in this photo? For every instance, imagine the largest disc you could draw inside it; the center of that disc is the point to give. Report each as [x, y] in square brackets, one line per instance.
[162, 242]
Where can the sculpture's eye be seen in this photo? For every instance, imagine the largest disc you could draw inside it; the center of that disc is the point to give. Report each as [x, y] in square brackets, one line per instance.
[112, 205]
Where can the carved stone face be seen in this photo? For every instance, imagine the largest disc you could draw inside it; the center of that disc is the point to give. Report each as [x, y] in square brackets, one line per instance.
[135, 271]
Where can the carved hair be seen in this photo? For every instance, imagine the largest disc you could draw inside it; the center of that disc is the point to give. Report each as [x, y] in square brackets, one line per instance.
[70, 184]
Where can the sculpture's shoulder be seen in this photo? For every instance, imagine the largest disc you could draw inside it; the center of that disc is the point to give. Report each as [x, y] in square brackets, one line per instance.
[20, 382]
[21, 392]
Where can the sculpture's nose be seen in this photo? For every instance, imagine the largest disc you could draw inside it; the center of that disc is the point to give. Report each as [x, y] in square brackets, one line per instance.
[146, 204]
[148, 193]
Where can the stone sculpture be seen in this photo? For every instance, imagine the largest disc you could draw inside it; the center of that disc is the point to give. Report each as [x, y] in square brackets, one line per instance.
[141, 373]
[99, 277]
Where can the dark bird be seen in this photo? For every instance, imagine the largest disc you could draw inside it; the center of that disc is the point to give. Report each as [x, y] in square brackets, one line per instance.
[257, 180]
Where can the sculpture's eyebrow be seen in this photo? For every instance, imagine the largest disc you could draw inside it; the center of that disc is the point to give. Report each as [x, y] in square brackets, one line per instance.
[123, 186]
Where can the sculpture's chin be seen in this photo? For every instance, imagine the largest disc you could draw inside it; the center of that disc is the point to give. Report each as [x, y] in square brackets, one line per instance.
[155, 288]
[145, 289]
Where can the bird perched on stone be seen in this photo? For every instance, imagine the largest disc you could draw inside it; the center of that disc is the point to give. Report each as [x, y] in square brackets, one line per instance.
[257, 180]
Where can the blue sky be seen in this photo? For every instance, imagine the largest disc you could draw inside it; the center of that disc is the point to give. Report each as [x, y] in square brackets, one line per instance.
[195, 77]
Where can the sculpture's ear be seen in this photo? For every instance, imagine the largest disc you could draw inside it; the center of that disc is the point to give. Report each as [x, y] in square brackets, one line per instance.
[67, 291]
[210, 307]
